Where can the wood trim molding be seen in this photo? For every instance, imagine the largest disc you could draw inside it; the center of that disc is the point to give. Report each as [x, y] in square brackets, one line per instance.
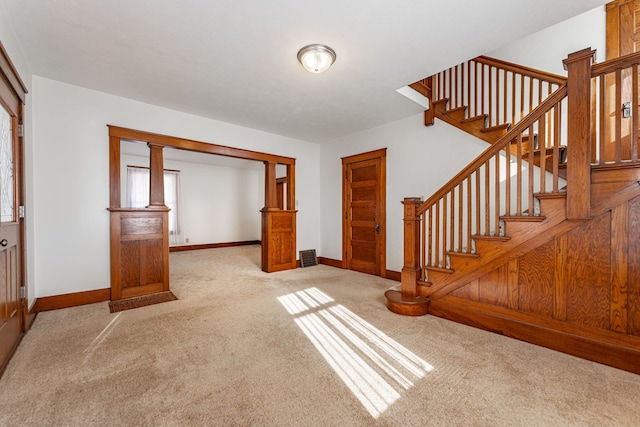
[75, 299]
[382, 152]
[191, 145]
[393, 275]
[11, 74]
[390, 274]
[330, 262]
[182, 248]
[524, 327]
[31, 315]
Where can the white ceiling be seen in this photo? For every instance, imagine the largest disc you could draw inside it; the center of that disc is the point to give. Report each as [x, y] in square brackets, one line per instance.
[235, 60]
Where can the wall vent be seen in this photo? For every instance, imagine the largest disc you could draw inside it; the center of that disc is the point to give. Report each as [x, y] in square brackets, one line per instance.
[308, 258]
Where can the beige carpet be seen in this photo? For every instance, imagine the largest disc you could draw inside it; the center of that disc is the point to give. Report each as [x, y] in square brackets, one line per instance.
[314, 346]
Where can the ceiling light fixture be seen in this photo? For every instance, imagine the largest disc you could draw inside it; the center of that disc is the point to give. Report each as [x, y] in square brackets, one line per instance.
[316, 58]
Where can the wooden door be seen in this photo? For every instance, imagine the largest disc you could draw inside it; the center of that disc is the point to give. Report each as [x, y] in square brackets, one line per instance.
[364, 212]
[623, 30]
[10, 229]
[623, 38]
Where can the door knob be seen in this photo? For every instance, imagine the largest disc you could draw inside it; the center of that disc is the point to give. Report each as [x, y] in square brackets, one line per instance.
[4, 242]
[377, 228]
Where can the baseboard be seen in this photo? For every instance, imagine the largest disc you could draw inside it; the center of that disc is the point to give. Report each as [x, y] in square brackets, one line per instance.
[212, 245]
[610, 353]
[330, 262]
[56, 302]
[393, 275]
[389, 274]
[31, 315]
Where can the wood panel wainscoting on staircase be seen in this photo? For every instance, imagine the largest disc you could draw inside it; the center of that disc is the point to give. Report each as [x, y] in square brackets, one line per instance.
[539, 237]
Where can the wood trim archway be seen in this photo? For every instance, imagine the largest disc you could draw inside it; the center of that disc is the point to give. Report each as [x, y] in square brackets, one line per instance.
[140, 237]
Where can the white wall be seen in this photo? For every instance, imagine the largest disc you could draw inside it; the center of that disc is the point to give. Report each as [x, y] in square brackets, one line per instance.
[420, 160]
[14, 50]
[546, 49]
[71, 179]
[217, 204]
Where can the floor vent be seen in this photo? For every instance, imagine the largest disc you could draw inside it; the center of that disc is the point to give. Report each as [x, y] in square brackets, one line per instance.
[308, 258]
[141, 301]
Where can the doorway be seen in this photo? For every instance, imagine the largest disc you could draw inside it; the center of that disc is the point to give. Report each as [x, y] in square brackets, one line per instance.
[140, 236]
[364, 212]
[12, 304]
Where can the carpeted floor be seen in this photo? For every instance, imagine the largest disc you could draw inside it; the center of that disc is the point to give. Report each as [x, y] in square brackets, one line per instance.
[314, 346]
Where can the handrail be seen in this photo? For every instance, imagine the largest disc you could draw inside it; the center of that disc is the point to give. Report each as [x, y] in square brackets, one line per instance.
[494, 149]
[500, 92]
[626, 61]
[524, 70]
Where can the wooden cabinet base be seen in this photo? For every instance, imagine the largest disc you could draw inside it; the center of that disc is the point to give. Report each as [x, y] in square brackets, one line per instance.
[278, 240]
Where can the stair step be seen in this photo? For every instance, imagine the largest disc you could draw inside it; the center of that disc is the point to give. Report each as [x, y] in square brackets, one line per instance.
[503, 127]
[424, 283]
[523, 218]
[544, 196]
[549, 151]
[462, 254]
[491, 238]
[457, 113]
[408, 306]
[421, 88]
[481, 117]
[440, 269]
[441, 104]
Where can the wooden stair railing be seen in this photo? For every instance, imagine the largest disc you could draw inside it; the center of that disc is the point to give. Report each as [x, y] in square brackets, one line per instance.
[500, 183]
[485, 96]
[508, 247]
[614, 131]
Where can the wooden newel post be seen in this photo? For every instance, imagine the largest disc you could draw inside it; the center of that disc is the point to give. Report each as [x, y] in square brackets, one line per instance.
[411, 269]
[578, 66]
[278, 225]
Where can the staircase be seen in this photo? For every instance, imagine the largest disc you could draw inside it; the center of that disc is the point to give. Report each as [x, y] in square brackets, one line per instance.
[539, 237]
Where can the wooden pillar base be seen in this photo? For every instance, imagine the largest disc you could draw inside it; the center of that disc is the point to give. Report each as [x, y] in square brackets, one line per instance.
[405, 305]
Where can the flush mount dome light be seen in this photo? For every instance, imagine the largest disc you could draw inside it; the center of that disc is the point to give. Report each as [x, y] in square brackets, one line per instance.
[316, 58]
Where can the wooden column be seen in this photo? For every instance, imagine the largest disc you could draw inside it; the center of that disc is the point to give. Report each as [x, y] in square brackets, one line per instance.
[411, 269]
[156, 178]
[139, 236]
[578, 66]
[278, 226]
[430, 114]
[270, 193]
[291, 187]
[114, 172]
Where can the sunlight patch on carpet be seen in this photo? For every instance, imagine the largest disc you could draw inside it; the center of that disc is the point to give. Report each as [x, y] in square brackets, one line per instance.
[142, 301]
[374, 367]
[97, 342]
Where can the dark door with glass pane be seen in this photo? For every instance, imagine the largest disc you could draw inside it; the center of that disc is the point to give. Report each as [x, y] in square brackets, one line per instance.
[10, 236]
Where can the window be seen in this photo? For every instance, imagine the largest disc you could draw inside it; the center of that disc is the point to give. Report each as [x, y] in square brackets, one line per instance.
[7, 182]
[138, 196]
